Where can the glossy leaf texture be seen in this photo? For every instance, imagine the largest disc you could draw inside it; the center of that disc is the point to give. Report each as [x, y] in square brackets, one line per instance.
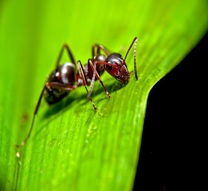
[72, 147]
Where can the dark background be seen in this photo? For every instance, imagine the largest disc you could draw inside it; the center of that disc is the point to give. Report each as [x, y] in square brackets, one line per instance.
[171, 152]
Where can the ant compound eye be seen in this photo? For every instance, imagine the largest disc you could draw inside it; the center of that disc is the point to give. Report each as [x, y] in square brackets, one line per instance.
[108, 67]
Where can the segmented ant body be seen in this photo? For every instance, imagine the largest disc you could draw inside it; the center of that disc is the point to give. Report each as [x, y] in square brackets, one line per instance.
[67, 77]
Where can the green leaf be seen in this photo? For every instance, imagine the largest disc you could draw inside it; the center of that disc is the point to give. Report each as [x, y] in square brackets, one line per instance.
[72, 147]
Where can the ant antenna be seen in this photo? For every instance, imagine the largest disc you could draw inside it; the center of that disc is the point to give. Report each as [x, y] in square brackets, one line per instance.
[135, 41]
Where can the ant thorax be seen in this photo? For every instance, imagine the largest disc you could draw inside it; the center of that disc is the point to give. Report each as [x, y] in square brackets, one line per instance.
[100, 68]
[88, 71]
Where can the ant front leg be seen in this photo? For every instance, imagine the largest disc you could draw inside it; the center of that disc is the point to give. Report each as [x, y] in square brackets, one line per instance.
[95, 74]
[84, 78]
[33, 120]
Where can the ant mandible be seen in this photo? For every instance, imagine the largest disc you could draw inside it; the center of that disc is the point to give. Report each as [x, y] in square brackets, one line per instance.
[67, 77]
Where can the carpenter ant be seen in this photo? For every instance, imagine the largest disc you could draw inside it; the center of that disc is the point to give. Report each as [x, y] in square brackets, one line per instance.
[67, 77]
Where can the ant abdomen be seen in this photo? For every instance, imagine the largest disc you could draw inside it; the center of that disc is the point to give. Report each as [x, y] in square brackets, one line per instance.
[67, 73]
[64, 74]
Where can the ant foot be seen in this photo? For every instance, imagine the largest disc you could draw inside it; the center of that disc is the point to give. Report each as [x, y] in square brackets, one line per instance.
[109, 96]
[19, 146]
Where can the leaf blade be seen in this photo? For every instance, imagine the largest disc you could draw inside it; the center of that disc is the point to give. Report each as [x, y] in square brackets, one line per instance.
[71, 146]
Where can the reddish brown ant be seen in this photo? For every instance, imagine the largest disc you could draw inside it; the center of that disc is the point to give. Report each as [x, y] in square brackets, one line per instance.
[67, 77]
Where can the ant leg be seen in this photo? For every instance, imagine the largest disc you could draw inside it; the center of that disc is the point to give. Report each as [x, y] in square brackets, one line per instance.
[69, 53]
[97, 76]
[33, 120]
[135, 41]
[60, 86]
[92, 84]
[99, 47]
[82, 74]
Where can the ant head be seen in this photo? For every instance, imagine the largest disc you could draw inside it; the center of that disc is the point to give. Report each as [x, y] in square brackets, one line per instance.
[116, 67]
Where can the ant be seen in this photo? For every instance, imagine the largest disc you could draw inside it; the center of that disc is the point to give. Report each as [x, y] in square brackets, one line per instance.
[67, 77]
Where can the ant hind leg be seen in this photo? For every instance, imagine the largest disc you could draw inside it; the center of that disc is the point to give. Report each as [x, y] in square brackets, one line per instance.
[65, 46]
[33, 120]
[99, 48]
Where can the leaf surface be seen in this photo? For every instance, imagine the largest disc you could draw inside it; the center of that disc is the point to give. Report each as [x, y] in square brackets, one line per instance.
[72, 147]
